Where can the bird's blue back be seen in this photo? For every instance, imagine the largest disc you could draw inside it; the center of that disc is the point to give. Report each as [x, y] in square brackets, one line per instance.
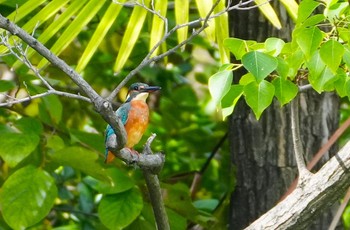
[121, 113]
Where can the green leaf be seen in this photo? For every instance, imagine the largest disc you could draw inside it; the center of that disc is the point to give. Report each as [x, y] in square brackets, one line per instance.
[246, 79]
[314, 20]
[259, 96]
[219, 84]
[230, 99]
[54, 107]
[157, 31]
[340, 83]
[347, 88]
[181, 16]
[208, 205]
[318, 82]
[274, 45]
[285, 90]
[332, 53]
[131, 35]
[15, 147]
[203, 8]
[27, 196]
[56, 25]
[81, 159]
[6, 85]
[309, 40]
[221, 31]
[119, 210]
[306, 8]
[282, 68]
[29, 125]
[292, 8]
[294, 61]
[236, 46]
[334, 12]
[116, 182]
[179, 200]
[269, 12]
[346, 56]
[315, 65]
[103, 27]
[80, 21]
[259, 64]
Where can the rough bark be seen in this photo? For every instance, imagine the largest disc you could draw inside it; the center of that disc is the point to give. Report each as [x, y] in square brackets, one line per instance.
[319, 192]
[262, 151]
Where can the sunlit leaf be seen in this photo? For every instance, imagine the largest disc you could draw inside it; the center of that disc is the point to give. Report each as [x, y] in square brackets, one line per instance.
[236, 46]
[119, 210]
[331, 53]
[292, 8]
[181, 16]
[222, 33]
[305, 9]
[274, 45]
[259, 64]
[285, 90]
[309, 40]
[269, 12]
[56, 25]
[15, 147]
[230, 100]
[103, 27]
[131, 35]
[318, 82]
[340, 83]
[203, 9]
[157, 31]
[259, 96]
[219, 84]
[282, 68]
[30, 186]
[81, 20]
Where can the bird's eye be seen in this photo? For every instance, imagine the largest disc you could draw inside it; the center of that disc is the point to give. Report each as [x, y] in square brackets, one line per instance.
[136, 87]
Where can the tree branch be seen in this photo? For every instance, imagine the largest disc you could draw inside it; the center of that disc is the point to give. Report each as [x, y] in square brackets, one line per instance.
[304, 173]
[319, 192]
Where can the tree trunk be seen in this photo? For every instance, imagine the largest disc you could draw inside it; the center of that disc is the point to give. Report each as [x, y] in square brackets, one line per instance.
[262, 151]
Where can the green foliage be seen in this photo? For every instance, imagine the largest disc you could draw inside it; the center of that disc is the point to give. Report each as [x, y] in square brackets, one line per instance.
[320, 57]
[63, 138]
[28, 189]
[119, 210]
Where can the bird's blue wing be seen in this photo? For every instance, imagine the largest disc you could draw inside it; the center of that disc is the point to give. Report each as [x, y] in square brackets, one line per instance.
[122, 113]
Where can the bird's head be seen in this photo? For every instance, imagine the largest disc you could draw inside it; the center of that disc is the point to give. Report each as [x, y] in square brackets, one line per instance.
[140, 91]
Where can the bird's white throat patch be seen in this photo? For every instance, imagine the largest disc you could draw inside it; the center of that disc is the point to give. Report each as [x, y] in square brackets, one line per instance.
[141, 96]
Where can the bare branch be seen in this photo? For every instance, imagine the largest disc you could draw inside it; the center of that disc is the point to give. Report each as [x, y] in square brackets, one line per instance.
[309, 201]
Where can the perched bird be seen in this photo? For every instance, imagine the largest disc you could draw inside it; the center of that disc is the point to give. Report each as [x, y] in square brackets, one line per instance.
[134, 114]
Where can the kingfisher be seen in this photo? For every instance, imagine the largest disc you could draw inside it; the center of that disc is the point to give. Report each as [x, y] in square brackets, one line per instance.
[134, 114]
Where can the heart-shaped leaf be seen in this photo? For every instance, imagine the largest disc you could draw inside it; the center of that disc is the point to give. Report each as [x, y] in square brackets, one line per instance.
[259, 64]
[259, 96]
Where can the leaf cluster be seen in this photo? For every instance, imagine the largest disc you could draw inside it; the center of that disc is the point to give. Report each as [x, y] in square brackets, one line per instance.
[317, 55]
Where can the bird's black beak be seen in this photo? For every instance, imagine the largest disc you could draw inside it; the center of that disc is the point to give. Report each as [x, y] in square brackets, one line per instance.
[151, 89]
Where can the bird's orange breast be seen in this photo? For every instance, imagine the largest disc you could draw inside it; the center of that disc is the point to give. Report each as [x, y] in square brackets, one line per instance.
[137, 122]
